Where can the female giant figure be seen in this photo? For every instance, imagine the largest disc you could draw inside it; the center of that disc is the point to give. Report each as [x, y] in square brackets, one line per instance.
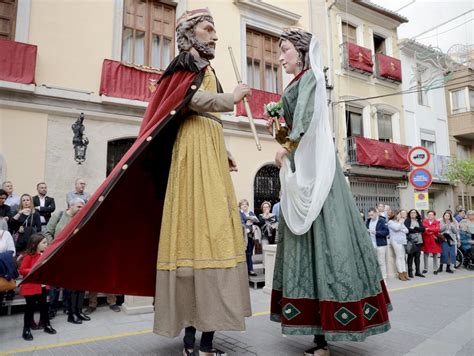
[327, 281]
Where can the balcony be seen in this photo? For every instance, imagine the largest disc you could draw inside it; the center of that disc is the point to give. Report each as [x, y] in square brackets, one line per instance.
[461, 126]
[357, 58]
[17, 62]
[388, 68]
[125, 81]
[438, 166]
[366, 152]
[256, 102]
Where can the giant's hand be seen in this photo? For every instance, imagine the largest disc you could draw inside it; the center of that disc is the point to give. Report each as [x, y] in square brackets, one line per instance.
[280, 155]
[241, 91]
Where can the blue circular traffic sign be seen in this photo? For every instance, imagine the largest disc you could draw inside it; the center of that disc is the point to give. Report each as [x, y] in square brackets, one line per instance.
[420, 178]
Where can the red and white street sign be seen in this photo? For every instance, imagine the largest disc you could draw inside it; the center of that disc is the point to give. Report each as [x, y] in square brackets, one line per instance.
[420, 178]
[419, 156]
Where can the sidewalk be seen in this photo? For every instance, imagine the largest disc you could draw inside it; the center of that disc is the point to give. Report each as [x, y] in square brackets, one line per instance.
[432, 316]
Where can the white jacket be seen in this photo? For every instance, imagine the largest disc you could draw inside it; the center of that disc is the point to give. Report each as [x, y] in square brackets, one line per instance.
[398, 232]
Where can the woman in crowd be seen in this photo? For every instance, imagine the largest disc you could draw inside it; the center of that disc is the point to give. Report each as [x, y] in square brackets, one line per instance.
[25, 223]
[268, 223]
[449, 241]
[7, 253]
[431, 243]
[398, 239]
[248, 219]
[74, 298]
[414, 241]
[466, 235]
[35, 294]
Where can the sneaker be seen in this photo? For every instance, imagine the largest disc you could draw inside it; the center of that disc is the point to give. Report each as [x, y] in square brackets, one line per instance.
[252, 273]
[188, 352]
[213, 352]
[424, 271]
[318, 351]
[89, 310]
[115, 308]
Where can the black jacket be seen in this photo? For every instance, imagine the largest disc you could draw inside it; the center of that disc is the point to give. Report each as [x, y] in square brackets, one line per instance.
[48, 208]
[381, 231]
[5, 210]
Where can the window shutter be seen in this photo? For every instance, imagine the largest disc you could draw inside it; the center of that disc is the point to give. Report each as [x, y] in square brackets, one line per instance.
[8, 19]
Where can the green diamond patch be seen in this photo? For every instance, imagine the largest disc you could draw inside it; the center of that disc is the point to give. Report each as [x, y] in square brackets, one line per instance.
[344, 316]
[369, 311]
[290, 311]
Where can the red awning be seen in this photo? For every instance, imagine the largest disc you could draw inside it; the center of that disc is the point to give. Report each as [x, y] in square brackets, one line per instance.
[17, 62]
[389, 67]
[360, 58]
[381, 154]
[127, 82]
[256, 102]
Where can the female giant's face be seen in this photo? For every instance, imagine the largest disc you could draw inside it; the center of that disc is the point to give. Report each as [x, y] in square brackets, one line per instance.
[289, 58]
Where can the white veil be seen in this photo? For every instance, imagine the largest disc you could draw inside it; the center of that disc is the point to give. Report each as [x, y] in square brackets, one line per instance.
[304, 191]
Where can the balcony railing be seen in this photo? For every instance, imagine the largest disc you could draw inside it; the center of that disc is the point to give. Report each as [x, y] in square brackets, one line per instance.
[438, 166]
[17, 62]
[357, 58]
[256, 102]
[373, 153]
[388, 68]
[124, 81]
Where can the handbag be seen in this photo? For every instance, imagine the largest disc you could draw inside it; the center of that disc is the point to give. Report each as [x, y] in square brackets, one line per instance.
[411, 247]
[6, 285]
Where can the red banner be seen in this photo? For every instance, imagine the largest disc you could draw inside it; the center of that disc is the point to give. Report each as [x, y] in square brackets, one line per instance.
[256, 102]
[389, 67]
[381, 154]
[360, 57]
[127, 82]
[17, 62]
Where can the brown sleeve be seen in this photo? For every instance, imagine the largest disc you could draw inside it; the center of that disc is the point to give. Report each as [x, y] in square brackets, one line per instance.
[204, 101]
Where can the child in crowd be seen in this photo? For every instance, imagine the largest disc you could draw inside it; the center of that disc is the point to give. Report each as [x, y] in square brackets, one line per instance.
[35, 294]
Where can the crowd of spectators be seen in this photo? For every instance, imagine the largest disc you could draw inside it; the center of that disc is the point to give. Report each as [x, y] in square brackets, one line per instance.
[27, 225]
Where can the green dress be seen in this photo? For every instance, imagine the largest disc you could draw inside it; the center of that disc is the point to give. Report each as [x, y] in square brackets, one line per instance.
[326, 281]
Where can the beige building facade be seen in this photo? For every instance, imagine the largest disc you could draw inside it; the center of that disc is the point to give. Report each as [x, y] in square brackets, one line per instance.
[460, 106]
[364, 81]
[73, 38]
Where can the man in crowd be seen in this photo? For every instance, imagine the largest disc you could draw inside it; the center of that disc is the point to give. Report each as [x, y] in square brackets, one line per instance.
[5, 210]
[13, 201]
[381, 210]
[461, 215]
[79, 191]
[378, 230]
[43, 204]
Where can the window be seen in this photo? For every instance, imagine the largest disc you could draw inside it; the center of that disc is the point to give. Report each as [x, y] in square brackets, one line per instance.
[349, 33]
[384, 122]
[7, 19]
[422, 93]
[458, 100]
[429, 145]
[354, 121]
[263, 67]
[148, 33]
[379, 44]
[116, 150]
[462, 152]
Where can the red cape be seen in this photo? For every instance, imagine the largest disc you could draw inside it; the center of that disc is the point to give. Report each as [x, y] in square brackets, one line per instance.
[111, 245]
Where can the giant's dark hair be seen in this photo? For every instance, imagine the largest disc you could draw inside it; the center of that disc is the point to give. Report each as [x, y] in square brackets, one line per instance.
[301, 40]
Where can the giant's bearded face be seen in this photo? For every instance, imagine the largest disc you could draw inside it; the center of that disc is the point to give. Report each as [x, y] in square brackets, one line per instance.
[200, 34]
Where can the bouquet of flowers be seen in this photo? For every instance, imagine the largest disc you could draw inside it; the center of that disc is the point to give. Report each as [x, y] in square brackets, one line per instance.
[274, 110]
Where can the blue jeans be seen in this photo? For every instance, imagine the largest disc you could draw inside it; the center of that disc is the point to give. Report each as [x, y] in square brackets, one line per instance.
[448, 253]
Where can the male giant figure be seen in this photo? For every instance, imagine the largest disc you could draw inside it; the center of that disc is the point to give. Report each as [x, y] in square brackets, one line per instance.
[187, 247]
